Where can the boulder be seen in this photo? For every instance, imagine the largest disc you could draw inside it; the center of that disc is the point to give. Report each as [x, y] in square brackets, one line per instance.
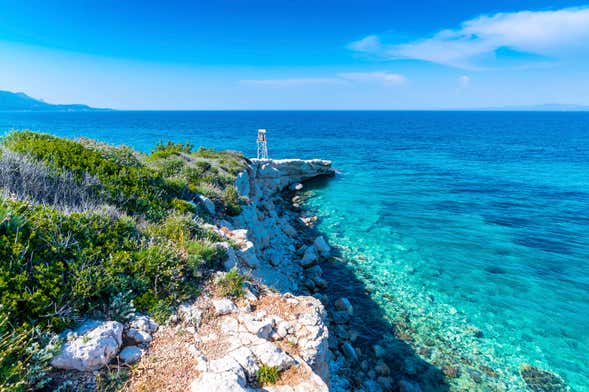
[343, 304]
[143, 323]
[349, 352]
[321, 246]
[224, 306]
[310, 257]
[138, 336]
[95, 345]
[207, 203]
[131, 354]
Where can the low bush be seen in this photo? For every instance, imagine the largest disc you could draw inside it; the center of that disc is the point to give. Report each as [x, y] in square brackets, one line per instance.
[231, 284]
[92, 230]
[267, 375]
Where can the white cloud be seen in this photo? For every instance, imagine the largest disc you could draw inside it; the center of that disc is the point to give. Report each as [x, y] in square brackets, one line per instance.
[291, 81]
[554, 34]
[386, 78]
[367, 44]
[383, 77]
[464, 81]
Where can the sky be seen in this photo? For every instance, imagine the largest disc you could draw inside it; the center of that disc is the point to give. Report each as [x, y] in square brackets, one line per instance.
[290, 54]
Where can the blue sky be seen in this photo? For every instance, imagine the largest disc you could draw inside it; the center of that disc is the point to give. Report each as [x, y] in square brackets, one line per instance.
[235, 54]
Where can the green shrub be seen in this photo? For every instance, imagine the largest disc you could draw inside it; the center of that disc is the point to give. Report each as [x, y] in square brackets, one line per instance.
[201, 254]
[231, 284]
[164, 150]
[183, 206]
[138, 189]
[231, 197]
[267, 375]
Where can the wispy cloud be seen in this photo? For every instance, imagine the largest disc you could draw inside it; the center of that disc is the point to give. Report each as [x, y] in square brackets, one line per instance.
[385, 78]
[382, 77]
[553, 34]
[291, 81]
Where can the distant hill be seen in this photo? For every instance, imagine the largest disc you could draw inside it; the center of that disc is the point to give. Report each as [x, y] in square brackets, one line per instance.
[22, 102]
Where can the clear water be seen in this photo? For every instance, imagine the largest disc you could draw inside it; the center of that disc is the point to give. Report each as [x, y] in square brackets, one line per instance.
[457, 219]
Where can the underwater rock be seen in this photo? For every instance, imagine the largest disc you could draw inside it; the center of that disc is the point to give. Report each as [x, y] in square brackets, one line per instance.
[450, 371]
[539, 380]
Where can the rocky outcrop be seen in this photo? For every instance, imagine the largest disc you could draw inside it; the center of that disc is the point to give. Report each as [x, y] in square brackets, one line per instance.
[284, 332]
[267, 241]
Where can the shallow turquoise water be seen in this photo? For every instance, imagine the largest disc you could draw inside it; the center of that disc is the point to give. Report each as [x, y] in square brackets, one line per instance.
[457, 219]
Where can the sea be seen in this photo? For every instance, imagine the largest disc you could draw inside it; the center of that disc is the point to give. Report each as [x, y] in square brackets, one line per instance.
[468, 229]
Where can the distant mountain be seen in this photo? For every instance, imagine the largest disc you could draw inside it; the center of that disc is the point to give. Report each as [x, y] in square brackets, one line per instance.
[22, 102]
[548, 107]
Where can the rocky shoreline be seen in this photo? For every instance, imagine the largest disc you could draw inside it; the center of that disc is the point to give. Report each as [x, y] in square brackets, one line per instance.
[302, 314]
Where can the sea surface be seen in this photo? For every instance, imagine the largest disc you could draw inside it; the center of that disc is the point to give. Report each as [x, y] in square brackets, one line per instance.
[459, 221]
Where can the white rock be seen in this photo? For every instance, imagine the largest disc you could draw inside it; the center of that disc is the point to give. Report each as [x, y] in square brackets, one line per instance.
[271, 355]
[261, 328]
[144, 323]
[95, 346]
[321, 246]
[224, 306]
[247, 255]
[137, 336]
[131, 354]
[242, 183]
[231, 260]
[189, 313]
[229, 325]
[218, 382]
[207, 203]
[247, 361]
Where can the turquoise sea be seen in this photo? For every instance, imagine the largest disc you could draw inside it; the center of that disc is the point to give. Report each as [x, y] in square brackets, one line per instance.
[454, 221]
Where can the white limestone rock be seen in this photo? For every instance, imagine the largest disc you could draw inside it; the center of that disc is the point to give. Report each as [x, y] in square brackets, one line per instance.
[143, 323]
[271, 355]
[130, 354]
[138, 336]
[224, 306]
[96, 344]
[207, 203]
[259, 327]
[218, 382]
[190, 314]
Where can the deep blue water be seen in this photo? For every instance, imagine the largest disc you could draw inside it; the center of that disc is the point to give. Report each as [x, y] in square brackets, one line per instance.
[464, 218]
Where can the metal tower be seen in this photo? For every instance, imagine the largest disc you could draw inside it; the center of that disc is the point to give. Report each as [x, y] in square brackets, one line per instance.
[262, 145]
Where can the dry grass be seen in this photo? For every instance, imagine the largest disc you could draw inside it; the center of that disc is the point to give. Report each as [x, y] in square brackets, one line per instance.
[168, 366]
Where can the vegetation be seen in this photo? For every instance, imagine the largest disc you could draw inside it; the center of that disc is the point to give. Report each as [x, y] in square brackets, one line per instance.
[267, 375]
[231, 284]
[88, 229]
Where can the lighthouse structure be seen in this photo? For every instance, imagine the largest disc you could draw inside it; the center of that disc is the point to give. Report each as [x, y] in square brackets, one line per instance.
[262, 145]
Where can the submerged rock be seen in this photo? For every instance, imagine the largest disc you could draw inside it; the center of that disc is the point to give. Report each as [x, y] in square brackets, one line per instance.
[96, 344]
[539, 380]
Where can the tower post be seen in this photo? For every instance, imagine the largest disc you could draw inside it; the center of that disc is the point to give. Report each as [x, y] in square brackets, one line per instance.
[262, 145]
